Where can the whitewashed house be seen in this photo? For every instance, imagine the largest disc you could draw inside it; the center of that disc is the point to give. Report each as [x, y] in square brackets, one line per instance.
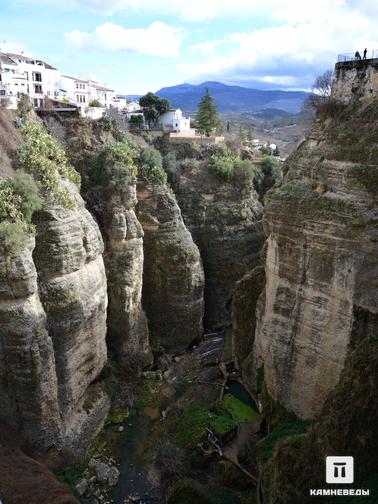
[75, 90]
[20, 74]
[101, 93]
[119, 103]
[173, 120]
[132, 106]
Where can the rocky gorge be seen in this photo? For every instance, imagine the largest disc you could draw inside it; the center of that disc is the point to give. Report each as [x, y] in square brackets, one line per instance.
[167, 334]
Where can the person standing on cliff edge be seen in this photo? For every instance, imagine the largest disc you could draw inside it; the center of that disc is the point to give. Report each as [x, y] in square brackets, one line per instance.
[365, 52]
[357, 56]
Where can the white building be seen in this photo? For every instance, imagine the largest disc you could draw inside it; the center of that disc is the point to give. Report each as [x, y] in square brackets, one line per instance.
[75, 90]
[20, 74]
[132, 106]
[173, 120]
[23, 75]
[100, 93]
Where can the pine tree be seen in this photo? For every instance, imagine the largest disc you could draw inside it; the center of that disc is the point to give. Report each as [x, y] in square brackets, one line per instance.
[207, 118]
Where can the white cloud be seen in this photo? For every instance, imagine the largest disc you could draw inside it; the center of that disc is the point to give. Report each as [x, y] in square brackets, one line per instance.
[303, 41]
[14, 47]
[158, 39]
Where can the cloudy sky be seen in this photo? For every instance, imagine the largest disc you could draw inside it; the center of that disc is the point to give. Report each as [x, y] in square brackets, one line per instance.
[141, 45]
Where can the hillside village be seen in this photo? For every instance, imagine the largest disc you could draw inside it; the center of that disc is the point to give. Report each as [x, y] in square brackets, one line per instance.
[46, 87]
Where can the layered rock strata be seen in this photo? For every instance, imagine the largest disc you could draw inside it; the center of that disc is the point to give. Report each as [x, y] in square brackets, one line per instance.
[53, 331]
[225, 220]
[124, 259]
[173, 274]
[321, 261]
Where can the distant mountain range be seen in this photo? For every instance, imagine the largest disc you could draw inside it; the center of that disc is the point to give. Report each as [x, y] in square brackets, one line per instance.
[235, 99]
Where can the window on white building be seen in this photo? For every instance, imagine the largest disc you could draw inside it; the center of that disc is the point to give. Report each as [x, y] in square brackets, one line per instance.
[37, 88]
[37, 77]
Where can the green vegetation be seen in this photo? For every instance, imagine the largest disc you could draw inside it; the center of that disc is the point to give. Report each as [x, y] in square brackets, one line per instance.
[136, 120]
[95, 103]
[151, 166]
[19, 198]
[116, 419]
[107, 123]
[270, 167]
[225, 167]
[238, 410]
[170, 163]
[207, 118]
[247, 168]
[153, 107]
[43, 157]
[71, 474]
[148, 396]
[188, 492]
[281, 431]
[115, 162]
[192, 423]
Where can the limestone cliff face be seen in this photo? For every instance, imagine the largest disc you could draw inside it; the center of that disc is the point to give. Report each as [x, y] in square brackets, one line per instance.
[28, 382]
[124, 258]
[225, 222]
[173, 274]
[347, 424]
[53, 330]
[321, 261]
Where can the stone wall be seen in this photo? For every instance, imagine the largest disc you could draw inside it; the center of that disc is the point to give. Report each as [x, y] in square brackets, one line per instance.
[355, 79]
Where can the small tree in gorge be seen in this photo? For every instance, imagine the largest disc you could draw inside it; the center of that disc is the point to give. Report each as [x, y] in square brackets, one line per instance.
[207, 118]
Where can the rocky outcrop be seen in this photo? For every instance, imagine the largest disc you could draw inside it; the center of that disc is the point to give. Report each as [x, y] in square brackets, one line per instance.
[346, 425]
[26, 479]
[28, 381]
[321, 261]
[225, 222]
[53, 330]
[244, 301]
[124, 259]
[173, 274]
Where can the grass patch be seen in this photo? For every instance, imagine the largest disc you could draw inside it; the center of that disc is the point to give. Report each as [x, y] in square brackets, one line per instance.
[148, 396]
[238, 410]
[192, 423]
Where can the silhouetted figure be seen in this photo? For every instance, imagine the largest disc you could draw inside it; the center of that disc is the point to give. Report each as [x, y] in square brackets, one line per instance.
[365, 52]
[357, 56]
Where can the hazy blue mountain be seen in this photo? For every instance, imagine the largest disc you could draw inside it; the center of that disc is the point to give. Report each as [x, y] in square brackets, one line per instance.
[233, 98]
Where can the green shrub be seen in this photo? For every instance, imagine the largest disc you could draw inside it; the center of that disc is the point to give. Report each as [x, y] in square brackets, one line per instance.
[190, 164]
[270, 167]
[222, 167]
[107, 123]
[247, 168]
[151, 166]
[42, 155]
[115, 162]
[95, 103]
[19, 198]
[170, 163]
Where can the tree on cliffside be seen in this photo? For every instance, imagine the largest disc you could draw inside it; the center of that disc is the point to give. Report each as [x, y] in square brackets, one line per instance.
[320, 92]
[207, 118]
[153, 107]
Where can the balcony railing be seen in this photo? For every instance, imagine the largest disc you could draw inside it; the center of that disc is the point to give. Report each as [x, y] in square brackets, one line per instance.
[352, 56]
